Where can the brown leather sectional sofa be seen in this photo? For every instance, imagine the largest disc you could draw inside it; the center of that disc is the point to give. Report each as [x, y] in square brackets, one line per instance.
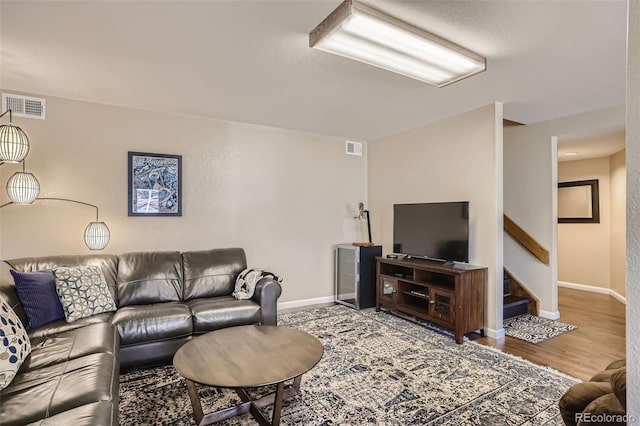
[164, 300]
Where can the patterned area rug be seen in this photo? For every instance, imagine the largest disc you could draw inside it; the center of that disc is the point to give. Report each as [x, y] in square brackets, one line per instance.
[535, 329]
[377, 369]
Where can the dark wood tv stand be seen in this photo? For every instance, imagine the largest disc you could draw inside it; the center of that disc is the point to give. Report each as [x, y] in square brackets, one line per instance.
[452, 296]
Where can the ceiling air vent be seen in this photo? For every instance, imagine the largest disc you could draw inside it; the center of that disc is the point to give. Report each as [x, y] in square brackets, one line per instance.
[24, 106]
[353, 148]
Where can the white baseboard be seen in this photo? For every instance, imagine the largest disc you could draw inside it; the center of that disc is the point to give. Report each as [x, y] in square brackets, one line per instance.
[584, 287]
[306, 302]
[552, 315]
[593, 289]
[620, 298]
[496, 334]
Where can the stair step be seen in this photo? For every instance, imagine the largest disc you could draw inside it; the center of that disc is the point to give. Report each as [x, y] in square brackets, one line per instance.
[506, 286]
[513, 306]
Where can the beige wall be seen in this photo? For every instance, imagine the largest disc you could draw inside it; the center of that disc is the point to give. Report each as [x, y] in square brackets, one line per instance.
[594, 254]
[584, 248]
[617, 166]
[456, 159]
[530, 172]
[284, 196]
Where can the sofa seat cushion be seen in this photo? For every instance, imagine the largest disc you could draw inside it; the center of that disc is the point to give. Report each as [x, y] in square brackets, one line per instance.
[152, 323]
[72, 344]
[63, 326]
[97, 413]
[40, 393]
[220, 312]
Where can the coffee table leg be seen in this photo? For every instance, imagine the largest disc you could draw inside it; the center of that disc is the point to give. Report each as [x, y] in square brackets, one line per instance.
[277, 406]
[296, 383]
[195, 401]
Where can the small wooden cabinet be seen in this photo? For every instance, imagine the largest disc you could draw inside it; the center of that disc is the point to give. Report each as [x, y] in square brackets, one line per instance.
[452, 296]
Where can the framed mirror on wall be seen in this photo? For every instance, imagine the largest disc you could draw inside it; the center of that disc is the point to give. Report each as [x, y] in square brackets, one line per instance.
[578, 202]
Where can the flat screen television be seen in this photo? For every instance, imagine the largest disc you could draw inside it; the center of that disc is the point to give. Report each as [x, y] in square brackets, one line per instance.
[438, 231]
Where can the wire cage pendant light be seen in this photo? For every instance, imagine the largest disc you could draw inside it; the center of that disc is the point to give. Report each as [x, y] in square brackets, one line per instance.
[14, 143]
[23, 188]
[97, 235]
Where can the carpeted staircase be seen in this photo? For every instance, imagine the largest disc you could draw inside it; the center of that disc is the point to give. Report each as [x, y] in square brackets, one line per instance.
[513, 305]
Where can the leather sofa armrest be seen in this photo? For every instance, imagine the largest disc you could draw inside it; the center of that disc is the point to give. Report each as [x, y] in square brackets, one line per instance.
[266, 295]
[605, 376]
[617, 364]
[619, 385]
[605, 410]
[578, 397]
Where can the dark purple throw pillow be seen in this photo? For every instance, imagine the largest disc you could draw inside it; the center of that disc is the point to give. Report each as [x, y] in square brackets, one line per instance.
[37, 293]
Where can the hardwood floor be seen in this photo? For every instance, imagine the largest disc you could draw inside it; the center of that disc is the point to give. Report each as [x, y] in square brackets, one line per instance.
[599, 339]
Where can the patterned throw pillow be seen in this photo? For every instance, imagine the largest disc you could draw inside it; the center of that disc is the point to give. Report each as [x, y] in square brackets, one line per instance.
[83, 292]
[247, 280]
[14, 344]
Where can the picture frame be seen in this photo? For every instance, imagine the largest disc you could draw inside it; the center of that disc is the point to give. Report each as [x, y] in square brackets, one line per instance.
[155, 184]
[579, 202]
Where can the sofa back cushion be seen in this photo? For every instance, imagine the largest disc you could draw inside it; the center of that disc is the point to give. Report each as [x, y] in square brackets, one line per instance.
[210, 273]
[149, 277]
[108, 263]
[9, 295]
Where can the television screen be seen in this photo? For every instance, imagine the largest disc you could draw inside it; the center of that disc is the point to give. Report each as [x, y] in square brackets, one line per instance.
[432, 230]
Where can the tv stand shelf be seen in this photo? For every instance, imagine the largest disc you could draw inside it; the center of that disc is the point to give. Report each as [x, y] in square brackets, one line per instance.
[452, 296]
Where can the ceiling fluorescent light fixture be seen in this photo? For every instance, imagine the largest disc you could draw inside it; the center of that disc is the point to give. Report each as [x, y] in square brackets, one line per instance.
[359, 32]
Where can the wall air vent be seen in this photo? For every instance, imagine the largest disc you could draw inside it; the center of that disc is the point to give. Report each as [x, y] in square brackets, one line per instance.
[24, 106]
[353, 148]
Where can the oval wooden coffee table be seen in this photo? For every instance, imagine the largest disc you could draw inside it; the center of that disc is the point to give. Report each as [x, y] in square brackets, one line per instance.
[248, 356]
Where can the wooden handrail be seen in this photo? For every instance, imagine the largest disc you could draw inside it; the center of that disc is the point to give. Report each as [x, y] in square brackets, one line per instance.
[526, 240]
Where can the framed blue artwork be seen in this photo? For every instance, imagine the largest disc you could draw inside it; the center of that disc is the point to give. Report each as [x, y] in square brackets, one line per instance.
[155, 184]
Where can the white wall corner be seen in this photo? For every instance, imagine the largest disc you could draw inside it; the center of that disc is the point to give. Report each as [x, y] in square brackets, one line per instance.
[495, 334]
[550, 314]
[306, 302]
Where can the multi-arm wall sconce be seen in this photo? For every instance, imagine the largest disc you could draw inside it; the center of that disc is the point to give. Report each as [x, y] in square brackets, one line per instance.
[24, 188]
